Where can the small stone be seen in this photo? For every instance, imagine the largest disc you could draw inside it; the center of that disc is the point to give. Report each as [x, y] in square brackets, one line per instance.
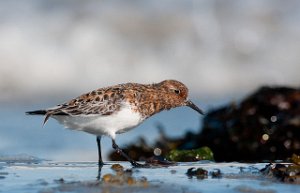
[131, 181]
[117, 167]
[107, 178]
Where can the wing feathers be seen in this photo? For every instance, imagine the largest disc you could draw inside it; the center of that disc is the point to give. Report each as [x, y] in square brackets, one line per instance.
[98, 102]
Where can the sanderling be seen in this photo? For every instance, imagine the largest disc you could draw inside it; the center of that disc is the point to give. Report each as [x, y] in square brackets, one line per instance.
[117, 109]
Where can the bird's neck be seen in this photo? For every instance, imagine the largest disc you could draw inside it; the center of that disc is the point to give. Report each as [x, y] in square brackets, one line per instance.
[151, 102]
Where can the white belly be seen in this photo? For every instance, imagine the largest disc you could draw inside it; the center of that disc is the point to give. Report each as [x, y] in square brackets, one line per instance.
[119, 122]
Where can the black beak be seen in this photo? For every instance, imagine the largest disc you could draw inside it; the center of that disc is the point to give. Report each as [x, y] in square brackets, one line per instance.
[193, 106]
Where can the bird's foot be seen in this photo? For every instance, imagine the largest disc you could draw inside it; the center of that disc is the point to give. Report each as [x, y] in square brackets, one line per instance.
[153, 162]
[157, 161]
[138, 165]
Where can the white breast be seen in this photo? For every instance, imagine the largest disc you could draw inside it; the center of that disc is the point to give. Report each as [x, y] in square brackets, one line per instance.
[122, 121]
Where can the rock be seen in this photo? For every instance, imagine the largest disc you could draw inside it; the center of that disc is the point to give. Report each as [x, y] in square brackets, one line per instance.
[199, 173]
[289, 173]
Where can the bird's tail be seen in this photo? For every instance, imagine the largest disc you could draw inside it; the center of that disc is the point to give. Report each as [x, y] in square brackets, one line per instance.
[37, 112]
[40, 112]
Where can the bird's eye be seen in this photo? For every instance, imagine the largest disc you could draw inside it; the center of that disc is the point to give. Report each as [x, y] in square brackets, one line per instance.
[177, 91]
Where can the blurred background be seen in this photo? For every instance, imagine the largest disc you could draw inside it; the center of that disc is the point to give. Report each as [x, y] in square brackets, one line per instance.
[54, 50]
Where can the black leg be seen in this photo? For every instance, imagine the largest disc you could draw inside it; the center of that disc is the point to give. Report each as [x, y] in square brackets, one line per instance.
[120, 151]
[99, 172]
[100, 162]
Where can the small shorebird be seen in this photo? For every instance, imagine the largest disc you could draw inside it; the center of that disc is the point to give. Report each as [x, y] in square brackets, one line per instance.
[118, 109]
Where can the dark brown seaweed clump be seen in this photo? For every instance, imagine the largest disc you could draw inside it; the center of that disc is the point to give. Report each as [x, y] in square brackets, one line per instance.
[289, 173]
[199, 173]
[264, 126]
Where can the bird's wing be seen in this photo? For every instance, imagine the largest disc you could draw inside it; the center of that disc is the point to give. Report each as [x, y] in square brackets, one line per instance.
[98, 102]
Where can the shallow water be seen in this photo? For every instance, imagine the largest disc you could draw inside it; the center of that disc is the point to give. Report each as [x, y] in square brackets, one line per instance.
[45, 176]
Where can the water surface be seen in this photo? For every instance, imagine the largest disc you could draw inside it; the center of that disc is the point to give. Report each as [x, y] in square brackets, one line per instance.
[43, 176]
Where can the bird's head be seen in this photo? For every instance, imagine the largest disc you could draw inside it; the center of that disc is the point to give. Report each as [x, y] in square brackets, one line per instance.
[178, 94]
